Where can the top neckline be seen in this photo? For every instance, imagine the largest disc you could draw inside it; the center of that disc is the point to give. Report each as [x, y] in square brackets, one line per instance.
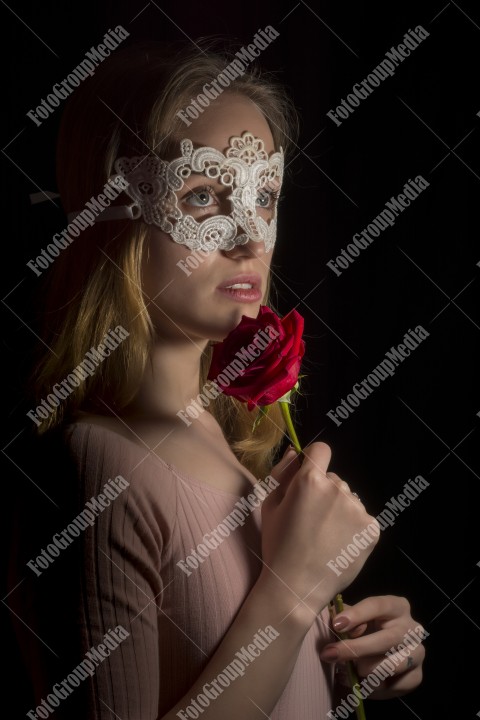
[154, 456]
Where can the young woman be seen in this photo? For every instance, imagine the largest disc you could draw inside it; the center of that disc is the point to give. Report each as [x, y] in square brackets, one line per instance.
[177, 612]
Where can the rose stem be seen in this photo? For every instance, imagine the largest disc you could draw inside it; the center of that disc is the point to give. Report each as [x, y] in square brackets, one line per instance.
[338, 602]
[352, 675]
[291, 430]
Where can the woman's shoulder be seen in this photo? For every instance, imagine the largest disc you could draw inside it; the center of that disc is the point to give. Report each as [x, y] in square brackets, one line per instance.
[101, 432]
[102, 448]
[197, 455]
[97, 429]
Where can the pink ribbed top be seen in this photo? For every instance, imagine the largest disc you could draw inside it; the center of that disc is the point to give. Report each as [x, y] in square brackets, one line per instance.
[176, 622]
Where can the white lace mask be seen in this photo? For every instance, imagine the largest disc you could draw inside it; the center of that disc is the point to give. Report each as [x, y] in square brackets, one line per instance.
[245, 168]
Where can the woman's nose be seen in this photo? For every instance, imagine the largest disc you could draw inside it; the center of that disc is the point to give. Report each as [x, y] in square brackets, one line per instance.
[251, 248]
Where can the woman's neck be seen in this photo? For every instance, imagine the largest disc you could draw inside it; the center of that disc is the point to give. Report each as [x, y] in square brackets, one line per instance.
[170, 380]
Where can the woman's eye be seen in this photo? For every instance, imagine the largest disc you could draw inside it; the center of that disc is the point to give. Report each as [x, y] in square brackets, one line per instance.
[266, 198]
[200, 198]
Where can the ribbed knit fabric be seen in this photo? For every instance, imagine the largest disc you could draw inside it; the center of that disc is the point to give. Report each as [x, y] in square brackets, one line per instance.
[130, 578]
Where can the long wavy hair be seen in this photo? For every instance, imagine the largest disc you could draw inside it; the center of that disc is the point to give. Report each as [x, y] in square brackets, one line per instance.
[129, 108]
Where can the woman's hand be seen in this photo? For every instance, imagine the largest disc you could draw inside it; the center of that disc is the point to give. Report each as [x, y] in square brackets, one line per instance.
[306, 521]
[375, 626]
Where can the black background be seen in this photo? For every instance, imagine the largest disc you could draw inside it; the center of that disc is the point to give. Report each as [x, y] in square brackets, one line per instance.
[423, 271]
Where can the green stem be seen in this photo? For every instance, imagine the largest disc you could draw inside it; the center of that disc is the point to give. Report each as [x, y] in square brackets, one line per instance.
[337, 604]
[291, 430]
[351, 673]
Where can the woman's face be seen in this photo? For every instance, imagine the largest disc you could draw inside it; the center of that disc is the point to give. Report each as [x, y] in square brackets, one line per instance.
[185, 291]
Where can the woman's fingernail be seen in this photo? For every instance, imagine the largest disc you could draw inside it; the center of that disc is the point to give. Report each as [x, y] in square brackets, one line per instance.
[329, 654]
[341, 622]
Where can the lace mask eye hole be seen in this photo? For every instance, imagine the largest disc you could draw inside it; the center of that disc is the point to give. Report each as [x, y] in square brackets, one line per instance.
[267, 198]
[263, 199]
[200, 197]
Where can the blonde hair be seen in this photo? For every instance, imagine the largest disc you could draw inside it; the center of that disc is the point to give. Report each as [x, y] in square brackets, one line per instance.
[129, 108]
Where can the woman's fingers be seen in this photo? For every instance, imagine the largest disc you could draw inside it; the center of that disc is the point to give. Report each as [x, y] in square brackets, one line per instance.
[392, 664]
[383, 641]
[395, 679]
[283, 472]
[358, 631]
[317, 457]
[305, 524]
[381, 608]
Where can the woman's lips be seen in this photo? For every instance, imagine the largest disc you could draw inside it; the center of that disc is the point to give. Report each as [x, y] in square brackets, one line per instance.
[243, 295]
[245, 287]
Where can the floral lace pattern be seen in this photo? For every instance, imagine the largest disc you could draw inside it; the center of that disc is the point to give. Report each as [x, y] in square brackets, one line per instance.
[246, 168]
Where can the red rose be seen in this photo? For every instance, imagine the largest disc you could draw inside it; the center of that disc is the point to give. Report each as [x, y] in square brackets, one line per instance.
[259, 361]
